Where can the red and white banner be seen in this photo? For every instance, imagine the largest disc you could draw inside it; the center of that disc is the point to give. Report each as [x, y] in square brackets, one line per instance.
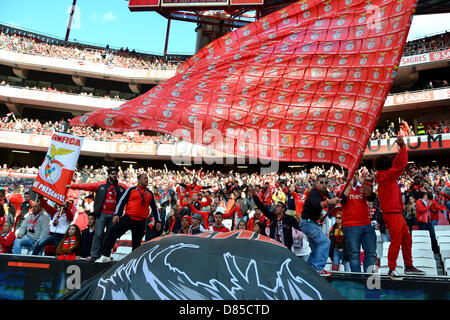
[418, 97]
[305, 83]
[425, 58]
[58, 167]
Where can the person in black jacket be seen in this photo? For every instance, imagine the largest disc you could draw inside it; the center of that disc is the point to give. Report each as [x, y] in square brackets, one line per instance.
[281, 224]
[107, 195]
[317, 200]
[87, 236]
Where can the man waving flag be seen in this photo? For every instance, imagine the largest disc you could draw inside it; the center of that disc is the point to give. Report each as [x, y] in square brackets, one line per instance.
[58, 167]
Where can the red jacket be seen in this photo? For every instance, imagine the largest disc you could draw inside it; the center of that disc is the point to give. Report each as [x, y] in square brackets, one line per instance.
[434, 209]
[137, 202]
[7, 242]
[423, 213]
[222, 228]
[389, 192]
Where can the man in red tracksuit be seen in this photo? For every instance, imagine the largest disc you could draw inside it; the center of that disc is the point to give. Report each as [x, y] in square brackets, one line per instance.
[136, 201]
[391, 205]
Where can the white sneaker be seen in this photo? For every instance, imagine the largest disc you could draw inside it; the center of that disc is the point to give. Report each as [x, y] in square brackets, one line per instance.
[103, 259]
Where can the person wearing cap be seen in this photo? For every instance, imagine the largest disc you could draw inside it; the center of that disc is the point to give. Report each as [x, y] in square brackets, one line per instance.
[107, 195]
[197, 223]
[186, 222]
[281, 224]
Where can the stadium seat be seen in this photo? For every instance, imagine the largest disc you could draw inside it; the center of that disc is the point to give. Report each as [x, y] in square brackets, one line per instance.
[126, 236]
[425, 263]
[123, 250]
[429, 271]
[420, 239]
[420, 233]
[227, 223]
[384, 262]
[441, 228]
[447, 266]
[444, 247]
[25, 251]
[445, 254]
[118, 256]
[421, 246]
[443, 240]
[422, 254]
[442, 233]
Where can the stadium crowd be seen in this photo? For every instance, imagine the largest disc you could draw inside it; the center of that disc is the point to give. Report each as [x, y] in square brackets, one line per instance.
[72, 90]
[193, 201]
[407, 130]
[84, 54]
[428, 44]
[12, 124]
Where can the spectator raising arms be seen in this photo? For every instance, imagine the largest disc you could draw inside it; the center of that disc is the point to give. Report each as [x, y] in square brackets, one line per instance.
[391, 204]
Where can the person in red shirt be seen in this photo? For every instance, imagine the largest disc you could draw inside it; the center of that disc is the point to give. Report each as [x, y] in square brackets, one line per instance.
[136, 201]
[391, 205]
[299, 193]
[7, 239]
[434, 209]
[257, 217]
[357, 226]
[423, 217]
[218, 225]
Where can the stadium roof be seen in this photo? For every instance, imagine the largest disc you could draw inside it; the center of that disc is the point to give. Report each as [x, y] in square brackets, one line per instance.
[423, 7]
[433, 6]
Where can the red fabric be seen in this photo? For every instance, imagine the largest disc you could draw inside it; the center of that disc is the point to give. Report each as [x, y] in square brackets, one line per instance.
[81, 221]
[389, 192]
[204, 214]
[299, 201]
[423, 213]
[134, 207]
[70, 212]
[300, 57]
[400, 236]
[434, 210]
[109, 205]
[68, 243]
[252, 220]
[355, 211]
[7, 242]
[16, 199]
[221, 229]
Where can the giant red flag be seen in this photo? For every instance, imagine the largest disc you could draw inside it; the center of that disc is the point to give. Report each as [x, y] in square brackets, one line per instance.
[310, 80]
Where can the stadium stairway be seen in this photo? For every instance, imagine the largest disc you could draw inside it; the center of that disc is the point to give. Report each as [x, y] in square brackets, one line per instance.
[424, 259]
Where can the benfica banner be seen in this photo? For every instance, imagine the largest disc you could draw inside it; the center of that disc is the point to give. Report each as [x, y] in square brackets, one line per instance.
[305, 83]
[159, 270]
[58, 167]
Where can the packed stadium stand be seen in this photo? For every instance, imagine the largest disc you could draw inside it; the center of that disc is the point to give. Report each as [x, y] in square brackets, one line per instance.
[45, 81]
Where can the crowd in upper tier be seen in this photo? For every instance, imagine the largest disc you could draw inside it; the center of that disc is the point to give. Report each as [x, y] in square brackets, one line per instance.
[84, 54]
